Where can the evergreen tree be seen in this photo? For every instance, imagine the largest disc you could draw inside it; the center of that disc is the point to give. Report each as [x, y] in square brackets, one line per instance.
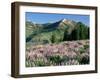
[88, 36]
[78, 31]
[66, 36]
[53, 38]
[74, 34]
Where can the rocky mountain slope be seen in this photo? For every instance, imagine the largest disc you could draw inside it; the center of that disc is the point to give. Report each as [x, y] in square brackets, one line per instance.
[63, 30]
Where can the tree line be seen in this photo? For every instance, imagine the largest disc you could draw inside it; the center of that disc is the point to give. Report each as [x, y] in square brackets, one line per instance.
[81, 32]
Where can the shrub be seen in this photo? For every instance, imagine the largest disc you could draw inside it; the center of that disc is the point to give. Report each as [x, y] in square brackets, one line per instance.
[83, 59]
[86, 46]
[56, 59]
[82, 50]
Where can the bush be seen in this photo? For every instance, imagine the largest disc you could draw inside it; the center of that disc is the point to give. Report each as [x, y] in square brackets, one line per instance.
[83, 59]
[82, 50]
[86, 46]
[56, 59]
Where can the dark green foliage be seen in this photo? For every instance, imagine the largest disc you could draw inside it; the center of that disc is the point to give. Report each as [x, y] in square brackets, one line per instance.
[86, 46]
[82, 50]
[75, 35]
[66, 36]
[53, 39]
[80, 32]
[88, 33]
[84, 60]
[55, 59]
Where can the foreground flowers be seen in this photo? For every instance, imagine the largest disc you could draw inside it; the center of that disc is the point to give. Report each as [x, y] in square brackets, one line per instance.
[65, 53]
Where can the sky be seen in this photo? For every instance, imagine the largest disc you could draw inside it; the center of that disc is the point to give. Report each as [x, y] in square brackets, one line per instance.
[42, 18]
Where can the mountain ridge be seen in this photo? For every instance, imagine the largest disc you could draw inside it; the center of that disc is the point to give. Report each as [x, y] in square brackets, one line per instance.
[43, 32]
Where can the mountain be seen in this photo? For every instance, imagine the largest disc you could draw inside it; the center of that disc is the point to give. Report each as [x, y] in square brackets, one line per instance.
[62, 30]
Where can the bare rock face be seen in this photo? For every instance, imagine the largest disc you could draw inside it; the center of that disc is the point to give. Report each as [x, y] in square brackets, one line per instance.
[65, 53]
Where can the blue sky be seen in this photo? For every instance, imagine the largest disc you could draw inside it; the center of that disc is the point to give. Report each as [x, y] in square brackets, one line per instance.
[48, 17]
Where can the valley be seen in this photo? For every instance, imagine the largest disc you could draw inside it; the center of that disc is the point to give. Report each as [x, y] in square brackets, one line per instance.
[63, 42]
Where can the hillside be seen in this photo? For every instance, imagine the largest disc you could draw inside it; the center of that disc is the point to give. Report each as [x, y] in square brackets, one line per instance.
[63, 30]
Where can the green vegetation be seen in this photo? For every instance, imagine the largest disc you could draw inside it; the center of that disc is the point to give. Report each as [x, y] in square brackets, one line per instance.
[86, 46]
[82, 50]
[56, 32]
[66, 43]
[79, 33]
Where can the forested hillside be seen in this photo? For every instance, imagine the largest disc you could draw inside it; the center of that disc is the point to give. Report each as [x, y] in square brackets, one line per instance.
[63, 30]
